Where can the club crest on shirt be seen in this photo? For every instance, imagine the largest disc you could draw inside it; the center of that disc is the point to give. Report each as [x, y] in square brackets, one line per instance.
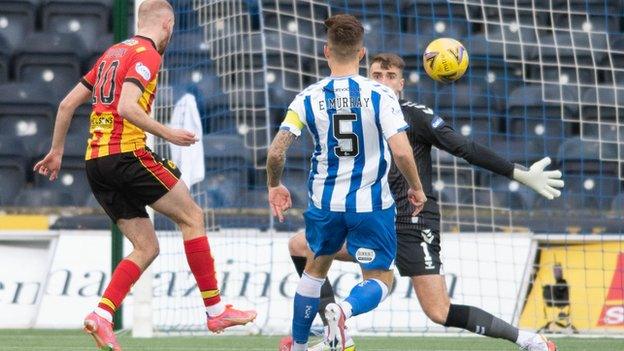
[131, 42]
[143, 71]
[437, 122]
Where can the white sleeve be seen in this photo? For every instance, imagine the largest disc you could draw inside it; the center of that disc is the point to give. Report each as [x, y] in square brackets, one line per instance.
[391, 115]
[294, 121]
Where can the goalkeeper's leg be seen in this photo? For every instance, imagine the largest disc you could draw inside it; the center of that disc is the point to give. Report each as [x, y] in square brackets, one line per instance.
[433, 297]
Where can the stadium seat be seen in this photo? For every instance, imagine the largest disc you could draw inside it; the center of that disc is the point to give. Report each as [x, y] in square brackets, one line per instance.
[72, 178]
[567, 58]
[50, 59]
[12, 168]
[81, 121]
[533, 119]
[226, 160]
[492, 60]
[17, 19]
[86, 18]
[512, 194]
[436, 18]
[617, 206]
[601, 104]
[26, 111]
[35, 197]
[102, 43]
[586, 172]
[5, 59]
[611, 70]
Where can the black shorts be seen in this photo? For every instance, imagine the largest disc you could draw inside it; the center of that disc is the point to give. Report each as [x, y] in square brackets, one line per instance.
[125, 183]
[418, 252]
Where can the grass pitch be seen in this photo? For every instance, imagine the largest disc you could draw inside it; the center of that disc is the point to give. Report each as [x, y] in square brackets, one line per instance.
[52, 340]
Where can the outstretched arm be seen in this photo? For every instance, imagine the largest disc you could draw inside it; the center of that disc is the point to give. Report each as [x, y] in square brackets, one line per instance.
[545, 183]
[51, 163]
[279, 196]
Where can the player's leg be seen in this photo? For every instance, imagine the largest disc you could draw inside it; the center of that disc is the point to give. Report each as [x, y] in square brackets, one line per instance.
[325, 233]
[372, 242]
[156, 182]
[418, 257]
[178, 205]
[300, 253]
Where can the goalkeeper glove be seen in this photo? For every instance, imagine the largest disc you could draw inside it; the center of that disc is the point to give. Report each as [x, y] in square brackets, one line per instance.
[543, 182]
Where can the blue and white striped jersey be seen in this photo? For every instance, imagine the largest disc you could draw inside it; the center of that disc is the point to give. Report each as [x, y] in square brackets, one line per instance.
[350, 119]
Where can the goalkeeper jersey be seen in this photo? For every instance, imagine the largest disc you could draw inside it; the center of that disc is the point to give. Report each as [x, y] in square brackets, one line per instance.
[350, 119]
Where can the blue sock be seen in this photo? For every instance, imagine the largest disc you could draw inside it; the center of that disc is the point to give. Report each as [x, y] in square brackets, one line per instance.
[365, 296]
[307, 300]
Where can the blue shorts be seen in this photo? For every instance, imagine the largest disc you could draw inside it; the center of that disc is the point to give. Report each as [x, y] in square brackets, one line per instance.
[370, 236]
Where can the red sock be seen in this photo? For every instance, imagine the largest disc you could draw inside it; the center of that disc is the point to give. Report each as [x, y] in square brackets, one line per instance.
[124, 276]
[202, 265]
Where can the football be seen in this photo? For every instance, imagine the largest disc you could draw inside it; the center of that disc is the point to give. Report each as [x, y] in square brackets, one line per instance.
[445, 60]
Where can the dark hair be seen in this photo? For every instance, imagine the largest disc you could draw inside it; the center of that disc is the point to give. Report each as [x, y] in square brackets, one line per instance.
[345, 36]
[387, 60]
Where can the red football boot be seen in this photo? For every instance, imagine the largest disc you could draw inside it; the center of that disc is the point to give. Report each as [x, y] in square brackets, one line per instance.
[229, 318]
[285, 343]
[102, 332]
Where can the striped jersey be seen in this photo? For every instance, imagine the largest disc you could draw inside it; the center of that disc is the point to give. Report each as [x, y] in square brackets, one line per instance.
[135, 60]
[350, 119]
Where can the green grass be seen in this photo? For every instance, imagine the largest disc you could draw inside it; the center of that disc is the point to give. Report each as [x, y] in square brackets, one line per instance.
[74, 340]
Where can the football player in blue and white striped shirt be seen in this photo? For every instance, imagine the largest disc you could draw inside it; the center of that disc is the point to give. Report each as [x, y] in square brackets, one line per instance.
[356, 123]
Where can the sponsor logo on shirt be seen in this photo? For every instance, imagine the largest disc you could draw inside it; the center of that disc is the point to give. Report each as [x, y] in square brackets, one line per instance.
[143, 71]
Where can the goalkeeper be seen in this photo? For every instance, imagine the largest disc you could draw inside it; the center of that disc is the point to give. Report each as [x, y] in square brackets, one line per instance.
[418, 237]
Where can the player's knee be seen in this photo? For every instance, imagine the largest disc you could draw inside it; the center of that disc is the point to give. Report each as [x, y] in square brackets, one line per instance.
[192, 217]
[437, 313]
[297, 245]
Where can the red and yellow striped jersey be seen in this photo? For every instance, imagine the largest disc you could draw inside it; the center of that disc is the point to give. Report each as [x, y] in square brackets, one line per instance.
[135, 60]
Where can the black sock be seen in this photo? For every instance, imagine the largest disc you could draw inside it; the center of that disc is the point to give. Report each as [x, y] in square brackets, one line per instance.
[478, 321]
[327, 292]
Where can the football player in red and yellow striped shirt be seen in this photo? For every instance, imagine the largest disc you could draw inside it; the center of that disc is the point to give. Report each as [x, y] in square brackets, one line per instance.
[126, 176]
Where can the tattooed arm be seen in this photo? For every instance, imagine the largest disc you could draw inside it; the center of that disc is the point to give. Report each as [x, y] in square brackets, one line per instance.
[277, 157]
[279, 196]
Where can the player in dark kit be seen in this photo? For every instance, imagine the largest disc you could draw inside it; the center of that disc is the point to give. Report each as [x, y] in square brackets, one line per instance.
[125, 175]
[418, 237]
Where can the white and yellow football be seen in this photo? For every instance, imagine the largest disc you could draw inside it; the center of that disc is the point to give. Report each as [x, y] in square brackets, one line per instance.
[445, 60]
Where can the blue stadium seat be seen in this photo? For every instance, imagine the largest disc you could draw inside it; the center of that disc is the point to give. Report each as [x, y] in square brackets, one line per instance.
[26, 111]
[617, 206]
[565, 57]
[469, 108]
[612, 61]
[585, 172]
[435, 18]
[601, 104]
[80, 123]
[86, 18]
[488, 60]
[35, 197]
[226, 160]
[102, 43]
[72, 178]
[17, 19]
[5, 59]
[538, 121]
[512, 194]
[419, 88]
[12, 168]
[50, 59]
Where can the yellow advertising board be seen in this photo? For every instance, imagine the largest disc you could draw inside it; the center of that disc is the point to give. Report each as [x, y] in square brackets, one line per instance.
[577, 286]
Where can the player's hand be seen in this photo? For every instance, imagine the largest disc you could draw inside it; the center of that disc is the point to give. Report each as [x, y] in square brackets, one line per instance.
[545, 183]
[279, 200]
[417, 198]
[50, 165]
[181, 137]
